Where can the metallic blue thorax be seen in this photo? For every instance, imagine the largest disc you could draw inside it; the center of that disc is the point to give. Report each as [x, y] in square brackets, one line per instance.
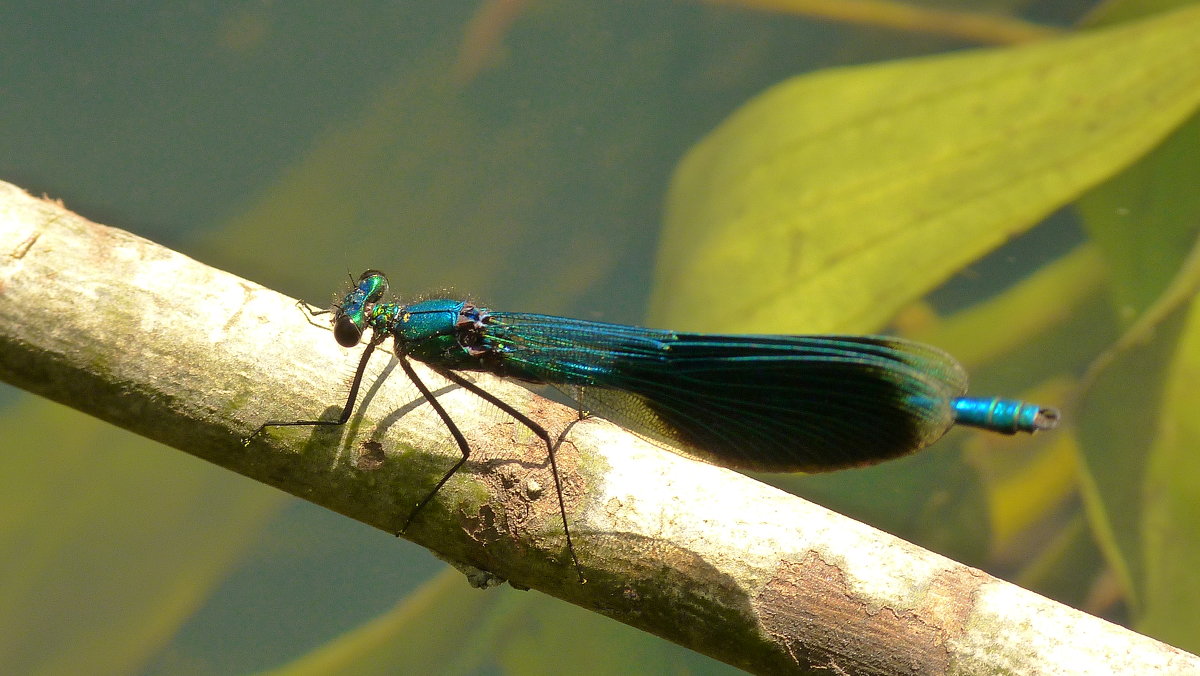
[444, 332]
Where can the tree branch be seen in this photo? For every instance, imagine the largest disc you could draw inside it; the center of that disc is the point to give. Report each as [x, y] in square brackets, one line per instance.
[152, 341]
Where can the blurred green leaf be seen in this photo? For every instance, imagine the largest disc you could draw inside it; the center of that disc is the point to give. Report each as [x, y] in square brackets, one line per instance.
[120, 540]
[1136, 421]
[514, 187]
[833, 199]
[1028, 308]
[1171, 513]
[433, 630]
[1026, 481]
[1068, 567]
[1119, 11]
[931, 498]
[447, 627]
[557, 638]
[980, 24]
[1138, 426]
[1145, 220]
[1116, 434]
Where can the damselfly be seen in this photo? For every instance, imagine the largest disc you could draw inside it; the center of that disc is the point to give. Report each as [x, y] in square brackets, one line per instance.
[771, 403]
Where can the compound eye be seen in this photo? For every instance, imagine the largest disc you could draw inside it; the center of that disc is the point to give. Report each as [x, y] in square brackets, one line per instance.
[346, 332]
[374, 283]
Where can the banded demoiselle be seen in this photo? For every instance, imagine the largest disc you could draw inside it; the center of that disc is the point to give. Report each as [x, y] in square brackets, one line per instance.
[752, 402]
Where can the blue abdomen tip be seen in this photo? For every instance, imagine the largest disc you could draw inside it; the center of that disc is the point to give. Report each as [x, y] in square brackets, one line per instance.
[1007, 416]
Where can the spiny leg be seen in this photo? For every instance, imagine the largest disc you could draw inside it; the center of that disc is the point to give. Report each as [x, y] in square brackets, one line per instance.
[309, 313]
[346, 411]
[562, 506]
[463, 446]
[551, 449]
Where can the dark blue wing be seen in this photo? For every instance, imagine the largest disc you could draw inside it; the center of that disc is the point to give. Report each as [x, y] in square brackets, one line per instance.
[771, 403]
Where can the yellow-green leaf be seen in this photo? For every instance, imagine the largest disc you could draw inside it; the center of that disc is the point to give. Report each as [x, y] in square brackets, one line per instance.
[1146, 219]
[834, 198]
[1022, 309]
[1120, 450]
[1171, 513]
[1116, 431]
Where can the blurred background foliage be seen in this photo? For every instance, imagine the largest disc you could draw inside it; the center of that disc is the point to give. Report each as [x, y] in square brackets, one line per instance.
[1030, 208]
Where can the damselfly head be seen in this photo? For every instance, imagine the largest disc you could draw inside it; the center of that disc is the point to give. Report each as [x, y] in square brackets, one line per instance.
[375, 283]
[350, 317]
